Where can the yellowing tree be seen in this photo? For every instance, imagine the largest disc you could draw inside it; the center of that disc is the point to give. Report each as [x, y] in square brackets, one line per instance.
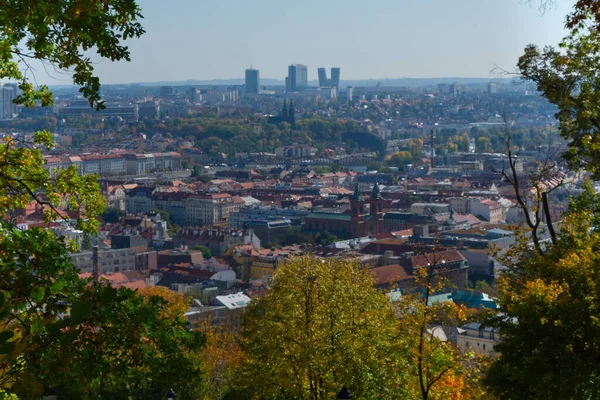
[321, 326]
[177, 305]
[220, 357]
[436, 365]
[550, 320]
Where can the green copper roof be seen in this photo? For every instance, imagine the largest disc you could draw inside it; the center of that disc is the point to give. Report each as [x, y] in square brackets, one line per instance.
[336, 216]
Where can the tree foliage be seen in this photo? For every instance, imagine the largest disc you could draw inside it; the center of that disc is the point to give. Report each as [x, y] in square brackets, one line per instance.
[126, 344]
[436, 366]
[549, 294]
[567, 76]
[59, 34]
[206, 253]
[116, 344]
[321, 326]
[112, 215]
[220, 358]
[37, 282]
[549, 321]
[59, 333]
[24, 179]
[253, 134]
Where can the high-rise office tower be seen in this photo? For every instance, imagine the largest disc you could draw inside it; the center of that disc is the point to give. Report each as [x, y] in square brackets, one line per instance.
[15, 93]
[166, 90]
[6, 104]
[349, 94]
[252, 81]
[335, 78]
[323, 81]
[454, 89]
[297, 78]
[491, 88]
[195, 95]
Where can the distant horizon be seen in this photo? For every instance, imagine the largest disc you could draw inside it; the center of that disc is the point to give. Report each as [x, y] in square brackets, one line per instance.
[281, 82]
[217, 40]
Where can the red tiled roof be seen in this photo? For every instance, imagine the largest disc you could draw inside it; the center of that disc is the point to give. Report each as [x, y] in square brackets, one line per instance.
[389, 274]
[439, 258]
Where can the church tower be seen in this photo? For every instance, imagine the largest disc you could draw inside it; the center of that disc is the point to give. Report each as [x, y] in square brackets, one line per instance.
[357, 214]
[357, 207]
[284, 111]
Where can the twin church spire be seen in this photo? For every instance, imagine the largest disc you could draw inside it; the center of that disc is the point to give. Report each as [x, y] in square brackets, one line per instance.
[288, 114]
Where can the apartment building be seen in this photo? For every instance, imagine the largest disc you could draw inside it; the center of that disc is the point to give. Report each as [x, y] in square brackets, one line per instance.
[109, 260]
[211, 209]
[117, 164]
[490, 210]
[138, 200]
[473, 337]
[171, 202]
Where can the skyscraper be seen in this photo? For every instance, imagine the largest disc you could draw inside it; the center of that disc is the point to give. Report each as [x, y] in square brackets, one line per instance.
[335, 78]
[6, 104]
[297, 78]
[491, 88]
[166, 90]
[349, 94]
[323, 82]
[252, 81]
[15, 93]
[454, 89]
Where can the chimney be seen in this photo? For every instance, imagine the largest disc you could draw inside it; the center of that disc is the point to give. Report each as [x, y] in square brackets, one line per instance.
[95, 264]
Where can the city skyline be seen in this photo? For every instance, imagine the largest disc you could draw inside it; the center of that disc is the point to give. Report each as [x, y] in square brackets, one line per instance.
[387, 40]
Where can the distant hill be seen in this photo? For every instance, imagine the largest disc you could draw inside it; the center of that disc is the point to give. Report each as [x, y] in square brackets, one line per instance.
[408, 82]
[397, 82]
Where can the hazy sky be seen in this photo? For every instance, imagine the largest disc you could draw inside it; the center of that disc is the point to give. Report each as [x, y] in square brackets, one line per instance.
[213, 39]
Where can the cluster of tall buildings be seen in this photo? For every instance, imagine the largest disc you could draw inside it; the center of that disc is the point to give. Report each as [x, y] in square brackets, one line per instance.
[296, 80]
[8, 109]
[334, 82]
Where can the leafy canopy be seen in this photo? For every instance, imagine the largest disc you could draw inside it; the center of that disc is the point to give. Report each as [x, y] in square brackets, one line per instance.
[568, 76]
[128, 346]
[61, 34]
[24, 179]
[321, 326]
[550, 319]
[59, 333]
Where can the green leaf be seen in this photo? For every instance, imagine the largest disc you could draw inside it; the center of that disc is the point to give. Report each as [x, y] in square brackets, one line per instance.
[37, 294]
[108, 294]
[6, 335]
[80, 310]
[58, 285]
[7, 347]
[35, 327]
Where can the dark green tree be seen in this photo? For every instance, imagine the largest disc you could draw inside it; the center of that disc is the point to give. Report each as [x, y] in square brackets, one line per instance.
[128, 346]
[112, 214]
[206, 253]
[59, 332]
[325, 238]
